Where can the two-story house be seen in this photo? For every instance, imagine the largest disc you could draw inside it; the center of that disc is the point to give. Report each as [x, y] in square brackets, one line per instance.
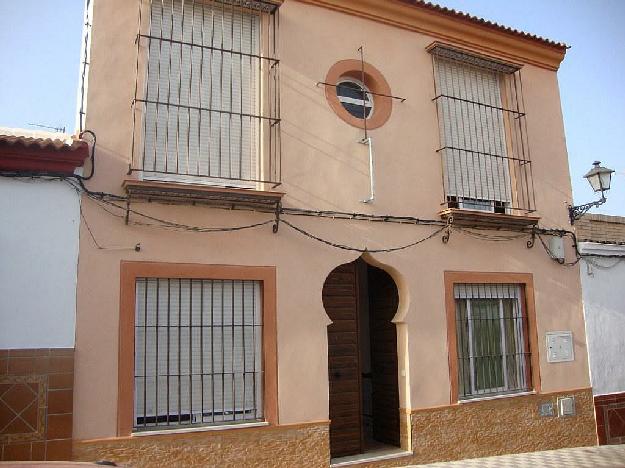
[340, 206]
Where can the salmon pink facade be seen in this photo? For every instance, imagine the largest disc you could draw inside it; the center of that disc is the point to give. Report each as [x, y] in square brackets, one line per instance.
[319, 228]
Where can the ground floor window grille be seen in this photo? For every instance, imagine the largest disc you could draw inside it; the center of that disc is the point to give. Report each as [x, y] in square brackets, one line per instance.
[492, 340]
[198, 352]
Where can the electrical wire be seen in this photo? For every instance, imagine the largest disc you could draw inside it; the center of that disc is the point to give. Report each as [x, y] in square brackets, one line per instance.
[555, 258]
[136, 247]
[492, 237]
[104, 199]
[356, 249]
[178, 226]
[591, 259]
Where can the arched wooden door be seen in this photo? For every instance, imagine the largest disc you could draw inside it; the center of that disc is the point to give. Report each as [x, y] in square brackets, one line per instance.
[361, 301]
[342, 303]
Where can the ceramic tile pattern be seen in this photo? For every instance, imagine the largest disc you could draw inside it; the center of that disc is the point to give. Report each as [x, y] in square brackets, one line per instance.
[36, 404]
[607, 456]
[610, 414]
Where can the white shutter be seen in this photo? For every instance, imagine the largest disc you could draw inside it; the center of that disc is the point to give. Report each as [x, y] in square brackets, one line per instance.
[486, 291]
[198, 350]
[472, 133]
[181, 138]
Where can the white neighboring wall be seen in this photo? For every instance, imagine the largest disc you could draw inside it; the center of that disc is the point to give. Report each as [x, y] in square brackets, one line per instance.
[603, 290]
[39, 223]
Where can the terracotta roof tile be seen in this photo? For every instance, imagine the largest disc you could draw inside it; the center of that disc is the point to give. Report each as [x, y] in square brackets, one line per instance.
[484, 22]
[42, 140]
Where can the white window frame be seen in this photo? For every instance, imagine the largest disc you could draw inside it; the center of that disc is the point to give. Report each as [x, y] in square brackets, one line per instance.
[518, 331]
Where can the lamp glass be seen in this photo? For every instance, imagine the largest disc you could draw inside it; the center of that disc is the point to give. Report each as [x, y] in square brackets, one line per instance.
[595, 182]
[606, 178]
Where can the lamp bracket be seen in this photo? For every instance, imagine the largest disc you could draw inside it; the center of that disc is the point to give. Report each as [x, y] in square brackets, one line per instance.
[576, 212]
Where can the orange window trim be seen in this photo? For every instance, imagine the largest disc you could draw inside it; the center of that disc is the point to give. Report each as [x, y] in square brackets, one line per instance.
[373, 79]
[526, 281]
[129, 273]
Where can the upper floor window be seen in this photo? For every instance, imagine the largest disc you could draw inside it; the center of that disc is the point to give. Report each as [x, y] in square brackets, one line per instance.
[207, 107]
[484, 149]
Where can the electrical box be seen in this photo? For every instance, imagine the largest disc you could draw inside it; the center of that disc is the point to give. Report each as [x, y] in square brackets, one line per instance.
[556, 246]
[560, 346]
[546, 409]
[566, 406]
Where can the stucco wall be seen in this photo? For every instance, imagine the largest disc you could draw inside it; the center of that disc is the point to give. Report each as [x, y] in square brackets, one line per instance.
[323, 168]
[604, 311]
[38, 255]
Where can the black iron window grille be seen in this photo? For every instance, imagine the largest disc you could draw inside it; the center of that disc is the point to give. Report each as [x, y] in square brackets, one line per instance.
[207, 106]
[492, 340]
[484, 149]
[198, 353]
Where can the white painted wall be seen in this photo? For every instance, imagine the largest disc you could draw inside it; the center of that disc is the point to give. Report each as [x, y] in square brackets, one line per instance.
[39, 223]
[603, 289]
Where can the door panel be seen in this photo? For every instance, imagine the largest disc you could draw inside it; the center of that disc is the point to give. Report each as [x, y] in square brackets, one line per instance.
[383, 303]
[340, 299]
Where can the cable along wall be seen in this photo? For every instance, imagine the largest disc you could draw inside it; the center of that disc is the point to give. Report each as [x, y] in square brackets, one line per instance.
[206, 106]
[484, 148]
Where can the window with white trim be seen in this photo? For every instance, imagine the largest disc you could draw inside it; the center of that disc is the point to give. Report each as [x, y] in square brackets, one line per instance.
[198, 353]
[492, 342]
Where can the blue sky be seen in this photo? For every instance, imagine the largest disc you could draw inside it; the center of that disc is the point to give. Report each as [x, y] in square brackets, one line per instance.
[40, 48]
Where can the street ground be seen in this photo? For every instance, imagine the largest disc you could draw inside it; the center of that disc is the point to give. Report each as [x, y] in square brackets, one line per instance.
[604, 456]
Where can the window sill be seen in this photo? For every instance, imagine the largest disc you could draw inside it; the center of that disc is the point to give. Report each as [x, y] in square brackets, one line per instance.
[496, 397]
[186, 193]
[476, 218]
[187, 430]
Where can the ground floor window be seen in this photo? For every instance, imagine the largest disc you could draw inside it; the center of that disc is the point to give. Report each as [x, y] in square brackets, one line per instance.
[491, 340]
[198, 352]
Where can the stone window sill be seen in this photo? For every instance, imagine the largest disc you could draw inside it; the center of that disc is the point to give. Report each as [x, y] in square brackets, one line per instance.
[187, 430]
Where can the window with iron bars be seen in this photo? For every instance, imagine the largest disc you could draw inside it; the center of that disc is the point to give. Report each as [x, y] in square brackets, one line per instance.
[492, 340]
[207, 106]
[198, 353]
[484, 149]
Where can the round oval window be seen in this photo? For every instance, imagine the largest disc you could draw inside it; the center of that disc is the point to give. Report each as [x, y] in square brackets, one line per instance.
[355, 97]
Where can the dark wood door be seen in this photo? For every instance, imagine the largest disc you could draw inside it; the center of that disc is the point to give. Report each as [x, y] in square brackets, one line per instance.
[340, 299]
[383, 302]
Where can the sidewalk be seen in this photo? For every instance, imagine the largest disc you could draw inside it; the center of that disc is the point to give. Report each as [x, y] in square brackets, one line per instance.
[603, 456]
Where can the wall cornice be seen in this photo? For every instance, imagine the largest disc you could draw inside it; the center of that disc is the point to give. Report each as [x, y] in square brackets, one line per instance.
[452, 28]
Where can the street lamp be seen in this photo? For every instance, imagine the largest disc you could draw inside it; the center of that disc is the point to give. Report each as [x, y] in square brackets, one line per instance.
[599, 179]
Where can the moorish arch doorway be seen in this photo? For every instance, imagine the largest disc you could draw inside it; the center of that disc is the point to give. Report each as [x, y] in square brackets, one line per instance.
[361, 301]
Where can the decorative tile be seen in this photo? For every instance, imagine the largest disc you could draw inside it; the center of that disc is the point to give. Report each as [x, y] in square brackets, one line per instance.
[23, 408]
[614, 420]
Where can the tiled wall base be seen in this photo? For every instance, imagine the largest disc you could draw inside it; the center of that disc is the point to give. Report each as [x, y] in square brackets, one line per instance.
[495, 427]
[284, 446]
[36, 400]
[477, 429]
[610, 413]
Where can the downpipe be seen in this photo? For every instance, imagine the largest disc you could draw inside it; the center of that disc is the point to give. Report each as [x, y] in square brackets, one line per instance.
[369, 142]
